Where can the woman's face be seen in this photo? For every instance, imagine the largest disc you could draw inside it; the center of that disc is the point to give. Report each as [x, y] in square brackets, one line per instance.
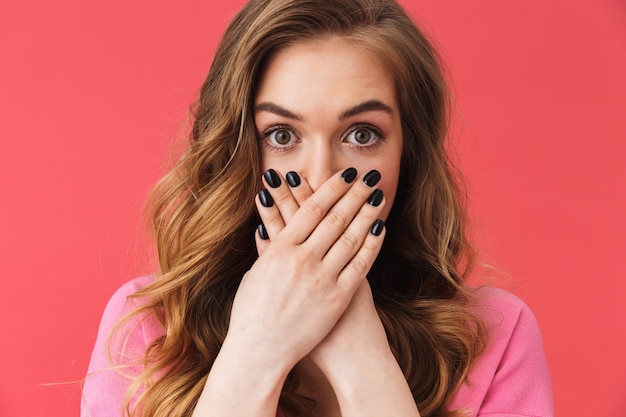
[325, 105]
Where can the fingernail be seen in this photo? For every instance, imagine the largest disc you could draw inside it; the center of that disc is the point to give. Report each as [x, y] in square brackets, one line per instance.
[371, 178]
[377, 227]
[375, 198]
[272, 178]
[266, 198]
[262, 232]
[349, 175]
[293, 179]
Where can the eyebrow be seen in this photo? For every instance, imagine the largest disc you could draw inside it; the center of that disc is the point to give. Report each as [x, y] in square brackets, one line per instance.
[370, 105]
[276, 109]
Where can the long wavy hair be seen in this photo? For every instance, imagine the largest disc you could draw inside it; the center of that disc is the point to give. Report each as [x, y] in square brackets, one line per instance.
[203, 217]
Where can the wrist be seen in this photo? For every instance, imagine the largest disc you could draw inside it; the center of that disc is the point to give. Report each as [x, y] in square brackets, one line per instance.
[236, 375]
[373, 388]
[361, 368]
[254, 360]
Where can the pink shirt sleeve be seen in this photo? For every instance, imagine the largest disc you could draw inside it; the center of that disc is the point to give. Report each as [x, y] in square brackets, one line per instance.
[511, 378]
[105, 388]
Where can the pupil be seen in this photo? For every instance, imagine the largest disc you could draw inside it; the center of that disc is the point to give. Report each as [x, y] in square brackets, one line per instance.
[282, 137]
[362, 136]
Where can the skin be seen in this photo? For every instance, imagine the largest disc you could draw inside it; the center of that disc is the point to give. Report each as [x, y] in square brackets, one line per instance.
[320, 82]
[306, 302]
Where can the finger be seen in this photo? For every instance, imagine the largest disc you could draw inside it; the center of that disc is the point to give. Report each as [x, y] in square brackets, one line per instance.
[351, 240]
[269, 213]
[313, 210]
[281, 192]
[300, 191]
[299, 186]
[342, 214]
[261, 238]
[357, 269]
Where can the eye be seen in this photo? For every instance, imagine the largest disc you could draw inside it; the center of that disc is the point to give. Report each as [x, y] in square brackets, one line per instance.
[363, 136]
[279, 138]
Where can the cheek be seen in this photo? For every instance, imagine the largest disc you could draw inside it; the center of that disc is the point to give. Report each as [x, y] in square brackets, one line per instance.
[266, 161]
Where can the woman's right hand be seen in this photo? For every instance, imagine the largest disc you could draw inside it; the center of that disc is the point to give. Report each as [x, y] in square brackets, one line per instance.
[306, 276]
[355, 355]
[319, 252]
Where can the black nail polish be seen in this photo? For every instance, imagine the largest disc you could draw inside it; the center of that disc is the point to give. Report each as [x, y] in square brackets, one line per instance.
[272, 178]
[371, 178]
[349, 175]
[293, 179]
[266, 198]
[375, 198]
[377, 227]
[262, 232]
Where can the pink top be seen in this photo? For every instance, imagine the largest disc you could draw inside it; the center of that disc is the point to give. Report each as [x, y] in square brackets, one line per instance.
[509, 380]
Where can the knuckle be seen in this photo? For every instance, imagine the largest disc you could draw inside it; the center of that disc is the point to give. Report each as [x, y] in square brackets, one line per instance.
[274, 222]
[304, 256]
[349, 240]
[337, 218]
[359, 266]
[371, 245]
[338, 186]
[357, 194]
[304, 259]
[301, 196]
[281, 197]
[313, 209]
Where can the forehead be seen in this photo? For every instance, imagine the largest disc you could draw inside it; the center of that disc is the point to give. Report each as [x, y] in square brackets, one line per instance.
[325, 70]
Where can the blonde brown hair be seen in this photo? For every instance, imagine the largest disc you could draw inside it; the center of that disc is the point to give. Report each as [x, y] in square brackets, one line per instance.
[203, 215]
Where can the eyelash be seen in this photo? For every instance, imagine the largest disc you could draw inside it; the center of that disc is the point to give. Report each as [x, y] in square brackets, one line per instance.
[376, 141]
[265, 139]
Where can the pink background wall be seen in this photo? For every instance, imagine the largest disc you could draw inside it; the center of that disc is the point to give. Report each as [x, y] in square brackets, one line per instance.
[92, 94]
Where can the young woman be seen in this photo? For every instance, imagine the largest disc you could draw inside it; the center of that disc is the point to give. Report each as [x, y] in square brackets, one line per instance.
[319, 133]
